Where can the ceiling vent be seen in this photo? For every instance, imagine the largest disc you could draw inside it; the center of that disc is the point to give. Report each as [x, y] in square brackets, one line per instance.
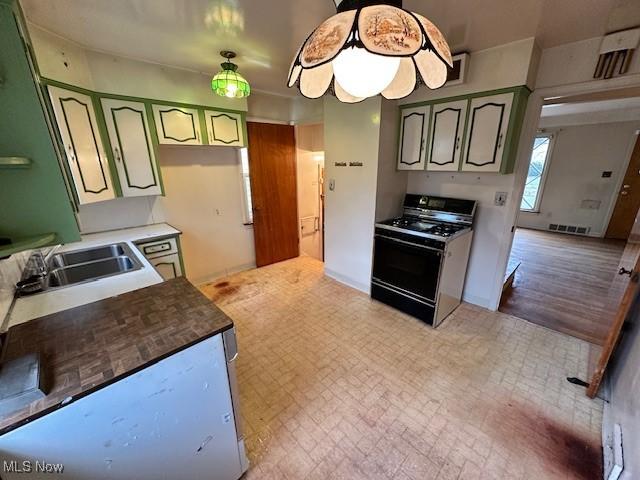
[616, 51]
[458, 72]
[573, 229]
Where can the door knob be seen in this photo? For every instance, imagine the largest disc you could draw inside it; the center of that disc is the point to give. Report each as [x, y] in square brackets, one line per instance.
[624, 192]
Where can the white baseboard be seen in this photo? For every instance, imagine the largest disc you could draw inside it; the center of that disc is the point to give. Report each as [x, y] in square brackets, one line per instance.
[350, 282]
[221, 274]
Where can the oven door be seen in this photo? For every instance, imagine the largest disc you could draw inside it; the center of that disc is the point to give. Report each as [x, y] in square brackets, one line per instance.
[411, 268]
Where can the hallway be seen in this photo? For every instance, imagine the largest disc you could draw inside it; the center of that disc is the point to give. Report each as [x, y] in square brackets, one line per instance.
[562, 282]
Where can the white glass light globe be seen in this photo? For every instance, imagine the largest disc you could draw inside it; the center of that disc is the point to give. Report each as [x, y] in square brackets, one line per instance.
[364, 74]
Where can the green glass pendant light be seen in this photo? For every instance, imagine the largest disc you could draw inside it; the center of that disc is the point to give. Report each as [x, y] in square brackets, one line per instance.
[228, 82]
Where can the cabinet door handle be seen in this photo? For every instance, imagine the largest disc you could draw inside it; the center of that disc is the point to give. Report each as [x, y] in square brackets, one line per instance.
[422, 144]
[457, 143]
[117, 152]
[72, 157]
[499, 140]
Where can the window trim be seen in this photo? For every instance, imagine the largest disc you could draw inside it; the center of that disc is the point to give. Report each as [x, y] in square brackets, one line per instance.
[545, 172]
[247, 214]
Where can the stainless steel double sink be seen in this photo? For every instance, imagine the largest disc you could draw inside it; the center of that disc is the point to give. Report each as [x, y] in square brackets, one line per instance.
[89, 264]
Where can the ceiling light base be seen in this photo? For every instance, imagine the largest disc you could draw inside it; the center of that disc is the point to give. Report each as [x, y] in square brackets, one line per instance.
[228, 54]
[346, 5]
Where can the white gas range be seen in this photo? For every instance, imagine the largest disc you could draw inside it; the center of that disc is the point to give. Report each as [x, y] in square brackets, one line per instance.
[420, 259]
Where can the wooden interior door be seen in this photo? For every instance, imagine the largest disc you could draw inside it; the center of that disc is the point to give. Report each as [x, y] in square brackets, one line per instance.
[628, 202]
[272, 167]
[620, 298]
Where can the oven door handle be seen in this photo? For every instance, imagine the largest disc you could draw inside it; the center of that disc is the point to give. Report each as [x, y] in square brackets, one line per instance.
[439, 252]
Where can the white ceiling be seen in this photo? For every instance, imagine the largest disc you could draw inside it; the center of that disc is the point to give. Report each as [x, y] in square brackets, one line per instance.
[267, 33]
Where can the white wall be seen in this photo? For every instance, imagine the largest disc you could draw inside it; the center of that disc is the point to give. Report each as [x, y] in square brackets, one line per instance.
[204, 201]
[10, 273]
[392, 184]
[580, 155]
[573, 63]
[489, 224]
[62, 60]
[351, 134]
[504, 66]
[267, 107]
[624, 402]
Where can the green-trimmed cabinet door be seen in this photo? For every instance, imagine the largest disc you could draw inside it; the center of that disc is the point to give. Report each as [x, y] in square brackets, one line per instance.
[167, 266]
[224, 128]
[133, 152]
[177, 125]
[87, 160]
[487, 133]
[414, 128]
[447, 133]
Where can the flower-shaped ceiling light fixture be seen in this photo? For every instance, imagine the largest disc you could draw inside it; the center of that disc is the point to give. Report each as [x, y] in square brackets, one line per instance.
[371, 47]
[228, 82]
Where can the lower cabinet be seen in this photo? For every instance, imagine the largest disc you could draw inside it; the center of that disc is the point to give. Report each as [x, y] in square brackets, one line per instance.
[167, 266]
[164, 254]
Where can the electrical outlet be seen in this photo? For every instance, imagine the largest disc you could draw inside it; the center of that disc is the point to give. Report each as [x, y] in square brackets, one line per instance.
[500, 199]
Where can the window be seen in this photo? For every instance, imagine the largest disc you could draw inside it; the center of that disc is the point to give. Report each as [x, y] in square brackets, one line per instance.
[538, 167]
[246, 186]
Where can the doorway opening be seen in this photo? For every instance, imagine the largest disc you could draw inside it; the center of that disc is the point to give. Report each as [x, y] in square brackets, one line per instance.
[310, 180]
[577, 224]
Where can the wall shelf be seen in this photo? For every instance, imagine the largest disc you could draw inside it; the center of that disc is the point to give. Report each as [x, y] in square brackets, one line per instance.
[27, 243]
[15, 162]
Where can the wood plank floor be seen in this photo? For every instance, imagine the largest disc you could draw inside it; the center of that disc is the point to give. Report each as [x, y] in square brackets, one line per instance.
[562, 282]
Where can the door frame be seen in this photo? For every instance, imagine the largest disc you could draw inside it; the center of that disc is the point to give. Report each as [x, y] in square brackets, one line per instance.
[614, 200]
[529, 129]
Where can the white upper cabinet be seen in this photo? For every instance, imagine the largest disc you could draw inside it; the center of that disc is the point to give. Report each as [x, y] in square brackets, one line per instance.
[447, 131]
[414, 128]
[487, 132]
[127, 126]
[76, 119]
[177, 125]
[224, 128]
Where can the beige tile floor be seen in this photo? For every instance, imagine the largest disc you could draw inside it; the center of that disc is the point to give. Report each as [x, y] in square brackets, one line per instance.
[335, 385]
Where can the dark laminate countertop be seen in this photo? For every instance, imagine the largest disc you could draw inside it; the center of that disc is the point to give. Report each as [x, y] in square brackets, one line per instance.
[86, 348]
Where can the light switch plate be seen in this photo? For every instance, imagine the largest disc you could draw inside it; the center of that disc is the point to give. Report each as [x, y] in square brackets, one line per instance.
[500, 199]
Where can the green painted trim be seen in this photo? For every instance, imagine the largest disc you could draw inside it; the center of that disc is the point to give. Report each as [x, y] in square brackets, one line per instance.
[518, 110]
[465, 132]
[427, 141]
[56, 83]
[468, 96]
[27, 243]
[184, 272]
[106, 145]
[516, 117]
[123, 158]
[154, 143]
[204, 133]
[15, 162]
[245, 137]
